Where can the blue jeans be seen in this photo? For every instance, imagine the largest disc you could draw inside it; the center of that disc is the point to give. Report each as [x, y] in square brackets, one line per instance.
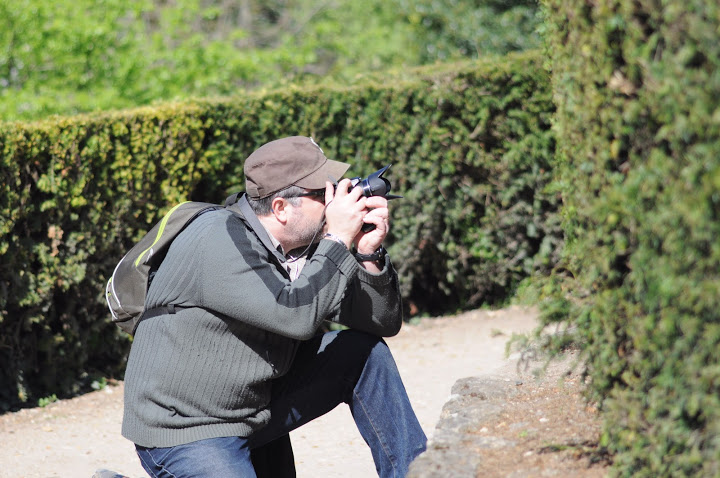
[347, 366]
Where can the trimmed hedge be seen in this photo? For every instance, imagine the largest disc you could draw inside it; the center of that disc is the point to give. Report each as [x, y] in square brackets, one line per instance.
[470, 144]
[637, 88]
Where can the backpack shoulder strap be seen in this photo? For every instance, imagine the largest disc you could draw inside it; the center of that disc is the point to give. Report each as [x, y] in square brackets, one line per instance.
[232, 199]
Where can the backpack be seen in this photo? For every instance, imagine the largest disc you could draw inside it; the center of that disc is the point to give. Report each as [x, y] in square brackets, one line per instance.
[127, 288]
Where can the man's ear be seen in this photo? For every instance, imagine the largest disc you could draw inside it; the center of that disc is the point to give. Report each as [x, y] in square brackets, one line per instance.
[280, 209]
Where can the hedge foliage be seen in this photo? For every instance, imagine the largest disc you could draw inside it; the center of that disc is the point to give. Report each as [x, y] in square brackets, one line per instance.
[470, 144]
[637, 87]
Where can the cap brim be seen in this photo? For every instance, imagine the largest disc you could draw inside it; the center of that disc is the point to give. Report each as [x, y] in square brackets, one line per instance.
[330, 171]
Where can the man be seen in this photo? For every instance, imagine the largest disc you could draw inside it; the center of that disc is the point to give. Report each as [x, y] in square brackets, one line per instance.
[240, 363]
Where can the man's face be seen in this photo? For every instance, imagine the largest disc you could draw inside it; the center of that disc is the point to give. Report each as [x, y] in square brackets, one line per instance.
[307, 219]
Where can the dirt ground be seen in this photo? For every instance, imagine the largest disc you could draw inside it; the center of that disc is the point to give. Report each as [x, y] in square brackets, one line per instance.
[555, 431]
[552, 429]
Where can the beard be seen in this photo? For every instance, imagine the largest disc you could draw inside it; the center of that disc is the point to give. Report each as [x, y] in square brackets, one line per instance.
[308, 231]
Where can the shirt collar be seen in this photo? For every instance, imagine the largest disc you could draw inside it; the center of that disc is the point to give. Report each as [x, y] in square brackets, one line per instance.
[276, 244]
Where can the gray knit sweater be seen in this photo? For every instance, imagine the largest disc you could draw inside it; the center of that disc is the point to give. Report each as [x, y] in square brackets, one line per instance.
[205, 371]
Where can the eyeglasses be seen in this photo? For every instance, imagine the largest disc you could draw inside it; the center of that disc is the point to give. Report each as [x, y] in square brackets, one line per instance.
[319, 194]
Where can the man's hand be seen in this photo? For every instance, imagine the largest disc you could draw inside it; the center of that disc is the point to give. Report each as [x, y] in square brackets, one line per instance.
[378, 215]
[345, 211]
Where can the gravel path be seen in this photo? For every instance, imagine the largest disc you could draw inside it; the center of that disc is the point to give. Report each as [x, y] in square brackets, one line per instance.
[73, 438]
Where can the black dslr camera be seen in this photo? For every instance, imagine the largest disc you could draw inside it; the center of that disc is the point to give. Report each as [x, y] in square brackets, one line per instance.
[374, 185]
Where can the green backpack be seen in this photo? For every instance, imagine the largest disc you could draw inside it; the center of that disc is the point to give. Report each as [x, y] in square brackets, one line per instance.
[127, 287]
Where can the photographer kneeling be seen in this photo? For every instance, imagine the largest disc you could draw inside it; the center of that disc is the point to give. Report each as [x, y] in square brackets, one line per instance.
[214, 388]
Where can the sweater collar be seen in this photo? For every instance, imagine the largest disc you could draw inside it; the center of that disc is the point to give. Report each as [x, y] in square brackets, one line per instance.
[242, 206]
